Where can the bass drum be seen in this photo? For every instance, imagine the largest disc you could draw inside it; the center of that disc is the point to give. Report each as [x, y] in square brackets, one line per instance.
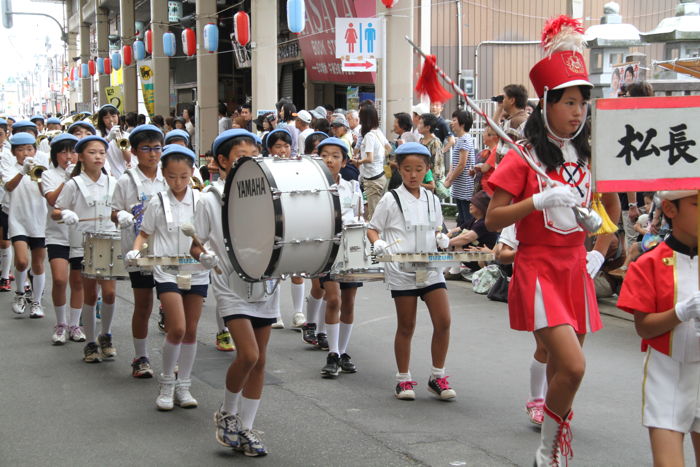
[281, 217]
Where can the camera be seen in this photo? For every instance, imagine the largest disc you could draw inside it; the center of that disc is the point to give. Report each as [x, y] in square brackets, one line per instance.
[498, 99]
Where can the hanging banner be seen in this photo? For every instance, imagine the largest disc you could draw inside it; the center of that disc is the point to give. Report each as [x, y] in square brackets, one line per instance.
[115, 96]
[147, 89]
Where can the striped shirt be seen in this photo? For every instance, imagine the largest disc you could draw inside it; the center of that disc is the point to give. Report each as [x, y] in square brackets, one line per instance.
[463, 185]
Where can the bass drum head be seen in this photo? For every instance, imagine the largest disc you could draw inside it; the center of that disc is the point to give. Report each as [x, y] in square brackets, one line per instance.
[249, 220]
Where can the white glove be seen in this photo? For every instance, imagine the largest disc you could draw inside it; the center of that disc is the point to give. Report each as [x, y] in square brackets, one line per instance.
[594, 261]
[125, 219]
[557, 197]
[380, 247]
[443, 241]
[113, 133]
[208, 260]
[69, 217]
[689, 308]
[697, 327]
[28, 164]
[69, 170]
[132, 255]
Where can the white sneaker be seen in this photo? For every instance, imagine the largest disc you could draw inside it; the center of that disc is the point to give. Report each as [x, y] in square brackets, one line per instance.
[36, 311]
[76, 334]
[59, 334]
[164, 401]
[298, 320]
[18, 303]
[183, 398]
[279, 324]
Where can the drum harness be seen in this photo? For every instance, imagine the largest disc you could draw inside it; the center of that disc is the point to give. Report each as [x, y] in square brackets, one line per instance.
[92, 202]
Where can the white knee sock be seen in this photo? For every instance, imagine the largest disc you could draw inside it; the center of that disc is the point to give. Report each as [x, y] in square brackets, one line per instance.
[171, 352]
[538, 379]
[140, 348]
[298, 297]
[231, 400]
[188, 352]
[20, 278]
[344, 337]
[321, 322]
[107, 314]
[38, 282]
[6, 257]
[249, 407]
[60, 314]
[220, 326]
[89, 322]
[332, 330]
[74, 316]
[313, 305]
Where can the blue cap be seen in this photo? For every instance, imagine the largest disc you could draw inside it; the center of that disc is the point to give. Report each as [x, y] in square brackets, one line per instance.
[227, 135]
[412, 148]
[80, 144]
[3, 121]
[53, 121]
[64, 137]
[37, 117]
[22, 138]
[141, 129]
[333, 142]
[178, 149]
[277, 130]
[24, 124]
[177, 134]
[84, 124]
[108, 107]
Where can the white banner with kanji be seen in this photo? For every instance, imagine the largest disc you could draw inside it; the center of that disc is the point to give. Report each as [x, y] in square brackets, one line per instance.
[646, 143]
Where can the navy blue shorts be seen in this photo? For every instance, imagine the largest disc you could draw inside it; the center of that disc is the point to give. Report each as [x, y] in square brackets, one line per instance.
[76, 264]
[162, 287]
[255, 321]
[422, 292]
[33, 242]
[343, 285]
[143, 281]
[4, 221]
[58, 251]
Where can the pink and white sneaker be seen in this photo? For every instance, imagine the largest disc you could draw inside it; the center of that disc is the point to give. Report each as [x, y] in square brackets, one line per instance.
[535, 410]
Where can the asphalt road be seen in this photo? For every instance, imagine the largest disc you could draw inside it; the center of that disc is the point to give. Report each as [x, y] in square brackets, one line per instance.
[59, 411]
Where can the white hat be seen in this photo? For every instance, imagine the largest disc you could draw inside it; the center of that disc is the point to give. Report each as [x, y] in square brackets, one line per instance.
[670, 195]
[420, 109]
[303, 115]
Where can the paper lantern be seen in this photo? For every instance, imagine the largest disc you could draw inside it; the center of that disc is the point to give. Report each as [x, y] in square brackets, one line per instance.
[241, 27]
[71, 76]
[211, 37]
[92, 68]
[108, 66]
[127, 52]
[169, 48]
[390, 3]
[84, 70]
[296, 15]
[149, 41]
[116, 60]
[189, 42]
[101, 65]
[139, 50]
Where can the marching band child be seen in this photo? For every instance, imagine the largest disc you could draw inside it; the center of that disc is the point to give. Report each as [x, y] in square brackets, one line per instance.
[118, 158]
[250, 323]
[81, 129]
[6, 158]
[85, 202]
[340, 296]
[134, 190]
[405, 221]
[661, 290]
[279, 143]
[27, 221]
[181, 291]
[63, 160]
[552, 292]
[53, 124]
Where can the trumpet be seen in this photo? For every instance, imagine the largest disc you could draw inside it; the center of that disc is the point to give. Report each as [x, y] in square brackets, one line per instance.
[35, 173]
[196, 184]
[40, 139]
[49, 134]
[123, 143]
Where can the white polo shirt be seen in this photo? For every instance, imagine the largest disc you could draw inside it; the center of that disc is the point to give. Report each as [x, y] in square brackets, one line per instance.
[98, 206]
[162, 221]
[508, 237]
[116, 165]
[27, 207]
[388, 220]
[373, 142]
[51, 180]
[6, 160]
[210, 231]
[134, 199]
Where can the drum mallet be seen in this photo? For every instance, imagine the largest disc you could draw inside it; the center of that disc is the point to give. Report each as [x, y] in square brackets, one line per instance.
[188, 230]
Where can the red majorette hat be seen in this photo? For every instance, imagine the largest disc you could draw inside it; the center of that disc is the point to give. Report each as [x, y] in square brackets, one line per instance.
[563, 65]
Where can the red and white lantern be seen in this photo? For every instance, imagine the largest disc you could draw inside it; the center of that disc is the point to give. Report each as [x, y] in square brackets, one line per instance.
[189, 42]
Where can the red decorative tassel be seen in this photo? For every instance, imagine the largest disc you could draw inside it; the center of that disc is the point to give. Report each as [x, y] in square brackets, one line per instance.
[429, 83]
